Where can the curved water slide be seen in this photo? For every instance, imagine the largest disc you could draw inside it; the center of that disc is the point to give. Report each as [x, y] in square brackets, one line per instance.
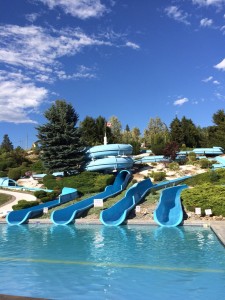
[67, 215]
[118, 213]
[110, 163]
[169, 211]
[109, 150]
[18, 217]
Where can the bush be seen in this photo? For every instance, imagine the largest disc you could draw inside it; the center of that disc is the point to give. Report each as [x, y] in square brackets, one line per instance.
[205, 196]
[85, 182]
[25, 204]
[14, 173]
[218, 177]
[158, 176]
[3, 174]
[44, 196]
[191, 156]
[174, 166]
[46, 199]
[40, 194]
[204, 163]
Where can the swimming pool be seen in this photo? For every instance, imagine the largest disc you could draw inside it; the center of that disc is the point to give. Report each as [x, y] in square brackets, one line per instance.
[97, 262]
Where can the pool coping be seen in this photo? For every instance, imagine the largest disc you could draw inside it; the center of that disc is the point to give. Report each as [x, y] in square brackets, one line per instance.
[218, 227]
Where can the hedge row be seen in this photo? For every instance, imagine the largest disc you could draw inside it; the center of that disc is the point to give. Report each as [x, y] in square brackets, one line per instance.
[85, 182]
[205, 196]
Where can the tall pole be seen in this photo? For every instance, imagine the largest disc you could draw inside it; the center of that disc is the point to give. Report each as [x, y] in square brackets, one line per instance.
[105, 137]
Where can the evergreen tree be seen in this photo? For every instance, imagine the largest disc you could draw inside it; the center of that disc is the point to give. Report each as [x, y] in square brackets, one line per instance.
[190, 133]
[6, 145]
[101, 130]
[176, 131]
[218, 138]
[88, 131]
[60, 141]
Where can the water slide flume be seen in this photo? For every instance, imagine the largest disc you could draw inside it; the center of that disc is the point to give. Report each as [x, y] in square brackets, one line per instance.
[169, 211]
[110, 163]
[109, 150]
[18, 217]
[118, 213]
[67, 215]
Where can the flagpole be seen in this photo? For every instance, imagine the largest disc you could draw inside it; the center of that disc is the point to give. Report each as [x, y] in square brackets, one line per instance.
[105, 137]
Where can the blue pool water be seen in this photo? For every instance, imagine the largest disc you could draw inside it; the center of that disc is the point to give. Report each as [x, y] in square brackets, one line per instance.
[96, 262]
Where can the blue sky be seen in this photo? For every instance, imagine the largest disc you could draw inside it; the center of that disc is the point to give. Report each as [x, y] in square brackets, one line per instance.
[134, 59]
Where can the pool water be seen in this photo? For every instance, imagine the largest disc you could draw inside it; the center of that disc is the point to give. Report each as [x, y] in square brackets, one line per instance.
[97, 262]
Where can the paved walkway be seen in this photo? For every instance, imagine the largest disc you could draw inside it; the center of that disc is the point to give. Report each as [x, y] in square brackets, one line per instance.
[16, 196]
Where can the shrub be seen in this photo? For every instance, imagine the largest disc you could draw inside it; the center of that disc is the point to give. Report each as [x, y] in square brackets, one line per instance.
[40, 194]
[158, 176]
[174, 166]
[3, 174]
[85, 182]
[14, 173]
[205, 196]
[25, 204]
[46, 199]
[191, 156]
[207, 177]
[204, 163]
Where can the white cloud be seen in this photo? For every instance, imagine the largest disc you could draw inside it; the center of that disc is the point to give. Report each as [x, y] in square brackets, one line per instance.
[180, 101]
[221, 65]
[216, 82]
[177, 14]
[209, 2]
[19, 97]
[83, 72]
[206, 22]
[39, 50]
[82, 9]
[32, 17]
[132, 45]
[208, 79]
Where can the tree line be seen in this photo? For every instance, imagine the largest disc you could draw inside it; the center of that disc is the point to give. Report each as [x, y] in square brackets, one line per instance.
[63, 140]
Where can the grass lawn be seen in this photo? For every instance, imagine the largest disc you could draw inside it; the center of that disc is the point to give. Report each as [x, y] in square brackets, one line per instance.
[4, 198]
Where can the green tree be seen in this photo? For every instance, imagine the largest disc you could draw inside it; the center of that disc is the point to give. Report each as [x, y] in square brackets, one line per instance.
[176, 131]
[116, 129]
[6, 145]
[60, 141]
[216, 133]
[190, 133]
[101, 130]
[156, 133]
[88, 131]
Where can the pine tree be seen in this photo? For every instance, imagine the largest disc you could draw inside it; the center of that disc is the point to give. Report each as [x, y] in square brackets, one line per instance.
[176, 131]
[6, 145]
[88, 131]
[60, 141]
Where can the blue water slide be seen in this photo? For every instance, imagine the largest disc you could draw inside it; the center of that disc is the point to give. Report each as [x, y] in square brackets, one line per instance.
[67, 215]
[169, 211]
[109, 150]
[18, 217]
[117, 214]
[110, 163]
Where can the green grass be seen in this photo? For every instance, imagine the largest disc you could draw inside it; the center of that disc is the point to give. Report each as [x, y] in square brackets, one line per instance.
[4, 198]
